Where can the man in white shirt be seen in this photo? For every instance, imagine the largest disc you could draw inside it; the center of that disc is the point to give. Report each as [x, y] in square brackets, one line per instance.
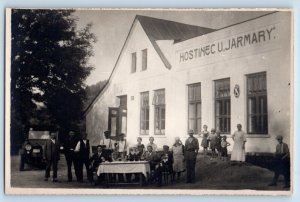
[108, 141]
[83, 151]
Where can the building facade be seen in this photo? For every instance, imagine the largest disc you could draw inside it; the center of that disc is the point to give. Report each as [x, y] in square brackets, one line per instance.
[171, 77]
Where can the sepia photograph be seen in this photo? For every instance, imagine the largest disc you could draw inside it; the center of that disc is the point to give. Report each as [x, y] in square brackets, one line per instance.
[149, 101]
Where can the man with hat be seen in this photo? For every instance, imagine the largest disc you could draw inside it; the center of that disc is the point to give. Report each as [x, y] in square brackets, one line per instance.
[108, 141]
[191, 151]
[282, 163]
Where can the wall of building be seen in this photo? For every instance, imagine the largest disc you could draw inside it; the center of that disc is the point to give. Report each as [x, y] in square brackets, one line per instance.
[270, 53]
[123, 82]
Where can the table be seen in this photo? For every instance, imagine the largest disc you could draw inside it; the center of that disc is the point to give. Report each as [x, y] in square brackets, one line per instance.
[123, 167]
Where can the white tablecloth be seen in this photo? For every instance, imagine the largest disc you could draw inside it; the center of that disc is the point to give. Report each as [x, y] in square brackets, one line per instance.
[124, 167]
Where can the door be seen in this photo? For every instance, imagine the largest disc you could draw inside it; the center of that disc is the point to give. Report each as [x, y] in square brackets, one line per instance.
[117, 118]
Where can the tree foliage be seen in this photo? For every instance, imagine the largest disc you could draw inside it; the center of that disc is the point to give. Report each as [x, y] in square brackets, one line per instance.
[49, 64]
[92, 91]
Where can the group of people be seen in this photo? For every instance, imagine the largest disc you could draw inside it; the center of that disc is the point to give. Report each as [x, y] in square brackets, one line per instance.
[77, 153]
[215, 142]
[174, 160]
[169, 160]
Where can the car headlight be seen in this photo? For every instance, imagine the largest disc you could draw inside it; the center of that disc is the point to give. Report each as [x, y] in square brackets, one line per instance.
[28, 147]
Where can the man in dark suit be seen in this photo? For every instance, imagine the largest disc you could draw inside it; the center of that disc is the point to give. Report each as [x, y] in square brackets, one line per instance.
[191, 151]
[82, 150]
[51, 155]
[282, 163]
[98, 157]
[152, 157]
[69, 148]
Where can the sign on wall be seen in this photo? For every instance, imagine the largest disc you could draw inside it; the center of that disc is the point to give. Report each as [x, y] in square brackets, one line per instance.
[239, 41]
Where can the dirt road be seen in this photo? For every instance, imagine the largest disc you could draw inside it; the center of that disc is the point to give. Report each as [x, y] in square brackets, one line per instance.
[211, 174]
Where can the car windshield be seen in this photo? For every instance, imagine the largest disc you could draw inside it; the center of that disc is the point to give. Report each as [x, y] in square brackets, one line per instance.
[39, 135]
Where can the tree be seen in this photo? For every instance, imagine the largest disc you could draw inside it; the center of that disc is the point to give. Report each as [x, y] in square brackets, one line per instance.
[49, 64]
[92, 91]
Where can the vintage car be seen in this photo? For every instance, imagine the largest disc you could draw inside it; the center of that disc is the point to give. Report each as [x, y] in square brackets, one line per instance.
[32, 150]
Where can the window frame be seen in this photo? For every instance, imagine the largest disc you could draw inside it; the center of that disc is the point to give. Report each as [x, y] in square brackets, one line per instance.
[221, 115]
[257, 96]
[159, 108]
[195, 102]
[133, 62]
[144, 60]
[144, 119]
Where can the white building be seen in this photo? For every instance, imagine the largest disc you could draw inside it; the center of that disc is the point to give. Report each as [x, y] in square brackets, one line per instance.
[171, 77]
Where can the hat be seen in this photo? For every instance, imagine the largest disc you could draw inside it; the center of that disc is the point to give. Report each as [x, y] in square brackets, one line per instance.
[106, 132]
[191, 131]
[166, 146]
[279, 137]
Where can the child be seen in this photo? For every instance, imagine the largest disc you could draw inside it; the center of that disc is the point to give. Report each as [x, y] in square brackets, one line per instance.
[204, 142]
[224, 145]
[213, 143]
[218, 143]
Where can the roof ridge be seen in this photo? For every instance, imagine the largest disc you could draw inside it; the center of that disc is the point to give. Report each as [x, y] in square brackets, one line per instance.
[175, 22]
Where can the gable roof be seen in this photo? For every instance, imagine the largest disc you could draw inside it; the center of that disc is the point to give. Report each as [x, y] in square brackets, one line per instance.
[158, 29]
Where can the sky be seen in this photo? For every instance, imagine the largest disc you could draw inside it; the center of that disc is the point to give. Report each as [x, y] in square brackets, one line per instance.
[112, 26]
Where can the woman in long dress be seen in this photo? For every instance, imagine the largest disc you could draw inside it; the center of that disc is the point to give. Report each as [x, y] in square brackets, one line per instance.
[178, 157]
[239, 139]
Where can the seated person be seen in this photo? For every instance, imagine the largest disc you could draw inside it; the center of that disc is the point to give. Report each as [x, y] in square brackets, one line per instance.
[151, 143]
[97, 159]
[134, 154]
[152, 157]
[166, 159]
[115, 156]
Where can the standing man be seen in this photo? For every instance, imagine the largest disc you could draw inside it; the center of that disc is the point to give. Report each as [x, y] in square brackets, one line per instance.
[69, 148]
[108, 141]
[122, 146]
[51, 155]
[83, 152]
[191, 151]
[282, 163]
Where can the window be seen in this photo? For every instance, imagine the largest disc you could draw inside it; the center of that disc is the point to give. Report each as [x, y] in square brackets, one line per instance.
[194, 108]
[159, 112]
[257, 108]
[133, 62]
[144, 124]
[144, 59]
[222, 105]
[123, 101]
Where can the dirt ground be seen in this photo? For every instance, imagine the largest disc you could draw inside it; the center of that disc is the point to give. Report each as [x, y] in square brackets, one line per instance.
[210, 174]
